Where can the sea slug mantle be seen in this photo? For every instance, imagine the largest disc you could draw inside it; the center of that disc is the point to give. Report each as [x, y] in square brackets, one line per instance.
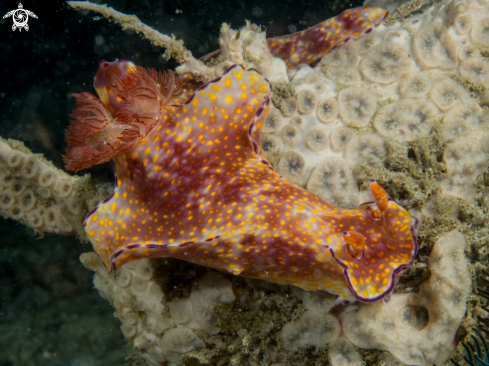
[198, 188]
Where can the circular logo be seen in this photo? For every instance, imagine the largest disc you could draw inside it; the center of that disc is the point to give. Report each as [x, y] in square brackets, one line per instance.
[20, 17]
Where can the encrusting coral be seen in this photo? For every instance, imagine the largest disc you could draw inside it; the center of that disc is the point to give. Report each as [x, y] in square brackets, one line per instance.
[405, 104]
[36, 193]
[206, 313]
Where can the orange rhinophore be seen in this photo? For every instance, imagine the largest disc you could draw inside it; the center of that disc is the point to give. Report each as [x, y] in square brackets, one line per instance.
[131, 103]
[381, 198]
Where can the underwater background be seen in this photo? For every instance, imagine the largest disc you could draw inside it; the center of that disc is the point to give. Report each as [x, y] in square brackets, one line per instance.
[49, 312]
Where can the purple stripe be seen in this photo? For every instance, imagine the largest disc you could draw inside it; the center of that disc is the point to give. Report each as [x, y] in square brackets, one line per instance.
[202, 87]
[90, 214]
[232, 67]
[132, 246]
[251, 128]
[110, 197]
[153, 126]
[259, 111]
[152, 246]
[190, 99]
[255, 70]
[156, 246]
[369, 30]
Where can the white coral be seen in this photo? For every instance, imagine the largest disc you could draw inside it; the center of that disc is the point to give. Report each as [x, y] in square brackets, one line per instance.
[36, 193]
[419, 328]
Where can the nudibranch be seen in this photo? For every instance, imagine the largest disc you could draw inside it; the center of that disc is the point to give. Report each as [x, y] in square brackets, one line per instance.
[197, 187]
[310, 45]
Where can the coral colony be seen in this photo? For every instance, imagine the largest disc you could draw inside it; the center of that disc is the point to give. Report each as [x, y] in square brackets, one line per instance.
[256, 161]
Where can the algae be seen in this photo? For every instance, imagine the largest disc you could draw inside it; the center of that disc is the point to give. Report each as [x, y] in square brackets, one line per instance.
[250, 329]
[406, 10]
[475, 91]
[281, 91]
[411, 171]
[210, 60]
[247, 56]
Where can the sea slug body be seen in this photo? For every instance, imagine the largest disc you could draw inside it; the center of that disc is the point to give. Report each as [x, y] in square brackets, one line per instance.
[310, 45]
[101, 129]
[197, 187]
